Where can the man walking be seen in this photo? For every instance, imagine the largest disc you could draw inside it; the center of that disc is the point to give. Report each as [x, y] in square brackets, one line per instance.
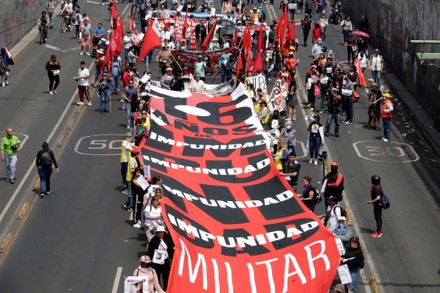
[45, 160]
[10, 146]
[83, 84]
[376, 66]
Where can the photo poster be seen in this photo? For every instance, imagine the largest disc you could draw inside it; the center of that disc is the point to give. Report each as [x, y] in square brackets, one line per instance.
[130, 281]
[344, 274]
[259, 82]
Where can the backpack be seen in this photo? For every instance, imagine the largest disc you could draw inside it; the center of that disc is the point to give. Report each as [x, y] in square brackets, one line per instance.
[46, 159]
[316, 196]
[384, 201]
[343, 211]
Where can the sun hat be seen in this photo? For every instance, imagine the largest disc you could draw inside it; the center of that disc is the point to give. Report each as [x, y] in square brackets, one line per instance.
[160, 229]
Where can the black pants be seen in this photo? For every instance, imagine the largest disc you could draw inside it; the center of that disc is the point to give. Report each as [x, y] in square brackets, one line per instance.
[53, 79]
[164, 271]
[378, 218]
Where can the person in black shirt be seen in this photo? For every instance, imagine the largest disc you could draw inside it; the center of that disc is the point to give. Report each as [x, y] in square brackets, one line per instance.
[291, 170]
[44, 161]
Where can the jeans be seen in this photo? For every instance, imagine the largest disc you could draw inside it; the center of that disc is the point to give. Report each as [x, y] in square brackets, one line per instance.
[349, 108]
[224, 73]
[97, 73]
[323, 98]
[330, 117]
[346, 33]
[11, 166]
[115, 82]
[129, 202]
[378, 218]
[291, 148]
[44, 172]
[105, 97]
[354, 273]
[314, 144]
[129, 115]
[50, 18]
[386, 127]
[375, 74]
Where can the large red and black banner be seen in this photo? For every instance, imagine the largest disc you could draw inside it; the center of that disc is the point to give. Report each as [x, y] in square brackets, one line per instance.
[236, 223]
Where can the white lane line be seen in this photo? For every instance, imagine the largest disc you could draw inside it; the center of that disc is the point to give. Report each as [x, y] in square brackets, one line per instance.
[32, 166]
[117, 278]
[53, 47]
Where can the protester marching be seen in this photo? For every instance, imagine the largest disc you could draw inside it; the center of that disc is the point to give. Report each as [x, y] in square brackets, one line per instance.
[199, 51]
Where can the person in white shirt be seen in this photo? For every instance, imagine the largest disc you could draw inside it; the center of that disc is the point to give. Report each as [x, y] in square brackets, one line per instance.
[363, 60]
[83, 84]
[197, 85]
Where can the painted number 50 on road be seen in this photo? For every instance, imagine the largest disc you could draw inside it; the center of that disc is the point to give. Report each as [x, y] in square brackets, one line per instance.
[99, 145]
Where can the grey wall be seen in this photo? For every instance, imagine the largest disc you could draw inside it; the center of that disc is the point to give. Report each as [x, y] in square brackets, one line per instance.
[393, 23]
[17, 17]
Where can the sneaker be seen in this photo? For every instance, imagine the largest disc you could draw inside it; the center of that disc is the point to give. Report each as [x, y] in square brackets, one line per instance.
[384, 139]
[42, 195]
[3, 84]
[311, 161]
[315, 162]
[51, 93]
[294, 117]
[88, 53]
[125, 191]
[128, 127]
[80, 103]
[348, 122]
[55, 92]
[12, 181]
[81, 53]
[137, 225]
[376, 234]
[48, 192]
[89, 104]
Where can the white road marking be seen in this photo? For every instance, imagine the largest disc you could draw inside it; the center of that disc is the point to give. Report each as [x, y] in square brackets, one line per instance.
[379, 151]
[117, 278]
[97, 3]
[52, 47]
[102, 144]
[32, 166]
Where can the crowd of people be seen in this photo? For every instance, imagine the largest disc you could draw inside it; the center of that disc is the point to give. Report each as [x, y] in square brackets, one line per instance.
[331, 90]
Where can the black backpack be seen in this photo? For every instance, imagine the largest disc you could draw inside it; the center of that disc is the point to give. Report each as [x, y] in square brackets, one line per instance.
[46, 159]
[316, 196]
[343, 210]
[384, 201]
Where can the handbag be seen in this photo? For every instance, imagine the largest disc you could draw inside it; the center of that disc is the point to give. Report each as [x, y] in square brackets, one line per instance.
[56, 72]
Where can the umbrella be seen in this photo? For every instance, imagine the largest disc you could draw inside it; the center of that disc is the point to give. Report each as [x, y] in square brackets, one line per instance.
[225, 22]
[361, 33]
[226, 30]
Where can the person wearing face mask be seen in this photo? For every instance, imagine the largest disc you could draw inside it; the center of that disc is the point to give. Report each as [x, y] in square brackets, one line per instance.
[144, 269]
[289, 136]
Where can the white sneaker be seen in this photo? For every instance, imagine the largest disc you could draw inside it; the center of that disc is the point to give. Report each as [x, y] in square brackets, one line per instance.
[81, 53]
[3, 84]
[80, 104]
[51, 93]
[88, 53]
[315, 162]
[137, 225]
[311, 161]
[89, 104]
[384, 139]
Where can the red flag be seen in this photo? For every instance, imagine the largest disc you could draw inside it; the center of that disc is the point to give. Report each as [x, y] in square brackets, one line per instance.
[259, 58]
[239, 64]
[114, 12]
[292, 32]
[185, 25]
[235, 39]
[248, 62]
[208, 37]
[286, 17]
[280, 29]
[153, 37]
[132, 25]
[107, 57]
[116, 38]
[246, 40]
[361, 76]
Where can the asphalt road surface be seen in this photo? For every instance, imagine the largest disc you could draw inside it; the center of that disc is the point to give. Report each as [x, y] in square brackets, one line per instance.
[80, 240]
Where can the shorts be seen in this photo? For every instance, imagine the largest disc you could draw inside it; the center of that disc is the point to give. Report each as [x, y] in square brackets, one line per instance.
[85, 41]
